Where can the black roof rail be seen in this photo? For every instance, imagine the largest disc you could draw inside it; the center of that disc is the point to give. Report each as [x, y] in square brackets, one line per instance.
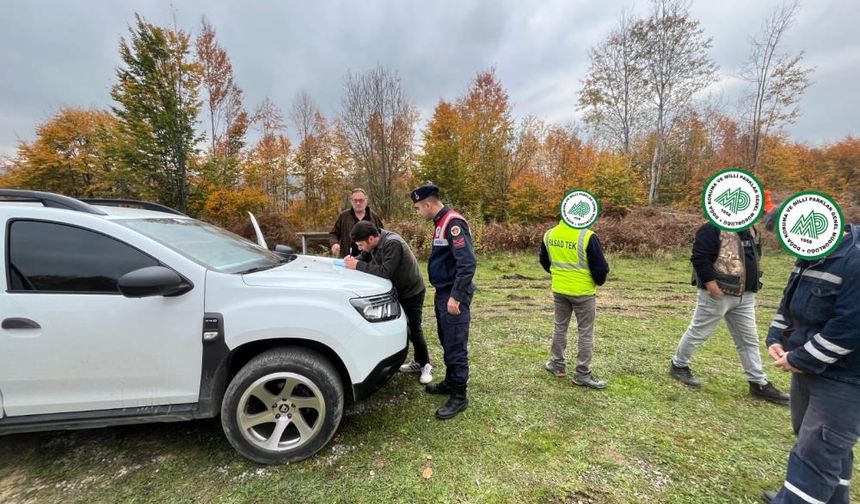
[50, 200]
[130, 203]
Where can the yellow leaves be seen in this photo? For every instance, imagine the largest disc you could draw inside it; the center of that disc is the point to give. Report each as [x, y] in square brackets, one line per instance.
[228, 204]
[69, 155]
[427, 471]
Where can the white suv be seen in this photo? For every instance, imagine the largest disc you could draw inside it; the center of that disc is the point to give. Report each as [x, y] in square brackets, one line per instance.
[114, 315]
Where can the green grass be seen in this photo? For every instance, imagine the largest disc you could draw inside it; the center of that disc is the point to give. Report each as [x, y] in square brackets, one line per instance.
[526, 437]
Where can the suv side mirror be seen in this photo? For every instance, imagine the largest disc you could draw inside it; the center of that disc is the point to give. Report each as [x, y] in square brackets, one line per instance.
[153, 281]
[284, 251]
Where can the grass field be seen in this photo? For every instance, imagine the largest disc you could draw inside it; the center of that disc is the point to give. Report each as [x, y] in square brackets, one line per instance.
[526, 437]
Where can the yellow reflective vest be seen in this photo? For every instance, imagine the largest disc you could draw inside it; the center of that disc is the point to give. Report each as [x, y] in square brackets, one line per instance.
[569, 262]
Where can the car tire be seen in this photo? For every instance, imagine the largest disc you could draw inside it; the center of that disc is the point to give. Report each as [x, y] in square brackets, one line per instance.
[284, 405]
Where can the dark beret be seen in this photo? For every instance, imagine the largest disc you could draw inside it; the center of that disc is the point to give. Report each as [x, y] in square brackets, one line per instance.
[428, 189]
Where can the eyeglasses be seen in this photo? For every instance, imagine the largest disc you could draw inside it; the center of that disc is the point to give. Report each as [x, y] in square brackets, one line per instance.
[361, 200]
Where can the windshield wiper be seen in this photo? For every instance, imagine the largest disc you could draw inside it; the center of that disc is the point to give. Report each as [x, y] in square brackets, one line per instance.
[264, 267]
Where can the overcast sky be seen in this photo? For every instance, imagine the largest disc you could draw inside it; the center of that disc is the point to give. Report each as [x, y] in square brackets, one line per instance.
[64, 53]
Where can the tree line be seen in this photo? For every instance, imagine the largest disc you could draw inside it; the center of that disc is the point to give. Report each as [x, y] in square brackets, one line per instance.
[179, 132]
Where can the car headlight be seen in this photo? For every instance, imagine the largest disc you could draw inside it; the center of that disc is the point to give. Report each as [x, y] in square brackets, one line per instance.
[377, 308]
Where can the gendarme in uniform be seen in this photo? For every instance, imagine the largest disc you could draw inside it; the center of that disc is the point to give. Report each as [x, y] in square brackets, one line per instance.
[451, 267]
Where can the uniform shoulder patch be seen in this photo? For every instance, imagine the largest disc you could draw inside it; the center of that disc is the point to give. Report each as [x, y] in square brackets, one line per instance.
[460, 242]
[456, 230]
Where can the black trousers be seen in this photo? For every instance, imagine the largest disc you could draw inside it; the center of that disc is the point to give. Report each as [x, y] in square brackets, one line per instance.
[454, 336]
[413, 308]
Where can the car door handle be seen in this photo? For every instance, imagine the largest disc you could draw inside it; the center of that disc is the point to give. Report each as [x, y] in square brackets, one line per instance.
[19, 323]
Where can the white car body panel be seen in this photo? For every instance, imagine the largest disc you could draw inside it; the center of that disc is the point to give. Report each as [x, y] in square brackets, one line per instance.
[307, 298]
[101, 351]
[98, 351]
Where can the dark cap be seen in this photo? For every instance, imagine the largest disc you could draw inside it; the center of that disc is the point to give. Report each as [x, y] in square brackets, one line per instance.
[428, 189]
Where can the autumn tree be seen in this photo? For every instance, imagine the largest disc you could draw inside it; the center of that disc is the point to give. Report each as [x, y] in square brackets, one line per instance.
[228, 120]
[705, 140]
[841, 164]
[614, 182]
[777, 81]
[613, 92]
[487, 134]
[267, 164]
[157, 107]
[378, 126]
[565, 157]
[442, 162]
[673, 53]
[318, 167]
[70, 155]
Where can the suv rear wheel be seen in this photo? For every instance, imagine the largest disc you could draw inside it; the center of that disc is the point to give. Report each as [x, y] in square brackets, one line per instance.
[283, 406]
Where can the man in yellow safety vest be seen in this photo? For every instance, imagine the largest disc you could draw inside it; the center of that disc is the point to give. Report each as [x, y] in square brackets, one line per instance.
[576, 262]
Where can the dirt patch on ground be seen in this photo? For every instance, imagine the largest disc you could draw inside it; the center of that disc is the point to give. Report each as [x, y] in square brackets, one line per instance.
[584, 497]
[515, 297]
[11, 484]
[517, 276]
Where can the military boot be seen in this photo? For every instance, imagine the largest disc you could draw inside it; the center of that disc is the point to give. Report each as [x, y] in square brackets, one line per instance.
[438, 388]
[456, 403]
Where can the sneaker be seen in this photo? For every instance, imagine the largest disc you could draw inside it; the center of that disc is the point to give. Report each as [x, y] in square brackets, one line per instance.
[684, 375]
[589, 381]
[426, 374]
[410, 367]
[768, 497]
[769, 393]
[558, 373]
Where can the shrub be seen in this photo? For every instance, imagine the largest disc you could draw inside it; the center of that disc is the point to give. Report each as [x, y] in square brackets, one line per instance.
[642, 231]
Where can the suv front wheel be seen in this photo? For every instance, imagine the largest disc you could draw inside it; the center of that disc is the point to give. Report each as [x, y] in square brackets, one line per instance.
[284, 405]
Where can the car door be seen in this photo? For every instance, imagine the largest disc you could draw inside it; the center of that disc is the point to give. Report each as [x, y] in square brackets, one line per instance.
[70, 342]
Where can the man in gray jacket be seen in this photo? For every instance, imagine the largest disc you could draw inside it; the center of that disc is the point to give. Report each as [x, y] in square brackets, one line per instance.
[391, 258]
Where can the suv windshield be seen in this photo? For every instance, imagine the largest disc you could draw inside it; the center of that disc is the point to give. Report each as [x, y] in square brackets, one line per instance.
[211, 246]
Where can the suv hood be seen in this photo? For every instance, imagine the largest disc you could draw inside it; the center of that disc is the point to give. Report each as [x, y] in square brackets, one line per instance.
[318, 273]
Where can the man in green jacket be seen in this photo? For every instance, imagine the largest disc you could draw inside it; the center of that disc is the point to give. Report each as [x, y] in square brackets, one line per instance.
[391, 258]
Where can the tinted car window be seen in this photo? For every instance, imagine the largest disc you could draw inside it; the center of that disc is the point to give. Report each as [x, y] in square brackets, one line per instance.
[52, 257]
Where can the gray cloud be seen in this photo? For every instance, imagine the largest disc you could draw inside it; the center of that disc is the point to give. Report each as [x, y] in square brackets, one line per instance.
[55, 54]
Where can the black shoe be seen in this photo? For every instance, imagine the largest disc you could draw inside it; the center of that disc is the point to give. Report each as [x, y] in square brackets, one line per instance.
[438, 388]
[768, 496]
[684, 375]
[768, 392]
[456, 403]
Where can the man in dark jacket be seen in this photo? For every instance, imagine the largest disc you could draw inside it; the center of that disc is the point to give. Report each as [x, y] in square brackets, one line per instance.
[341, 243]
[726, 271]
[815, 335]
[391, 258]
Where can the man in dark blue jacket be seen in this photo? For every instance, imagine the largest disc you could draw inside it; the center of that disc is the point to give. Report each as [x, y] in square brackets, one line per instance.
[816, 335]
[451, 266]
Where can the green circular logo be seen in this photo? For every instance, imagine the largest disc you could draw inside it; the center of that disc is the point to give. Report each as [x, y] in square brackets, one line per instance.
[733, 200]
[579, 209]
[810, 225]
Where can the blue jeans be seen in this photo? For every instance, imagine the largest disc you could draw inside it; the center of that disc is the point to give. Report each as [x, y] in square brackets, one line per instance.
[825, 415]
